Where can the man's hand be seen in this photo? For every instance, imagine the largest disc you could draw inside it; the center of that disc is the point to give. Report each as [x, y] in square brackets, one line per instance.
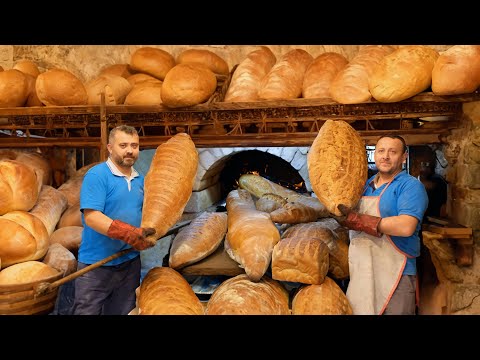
[131, 235]
[361, 222]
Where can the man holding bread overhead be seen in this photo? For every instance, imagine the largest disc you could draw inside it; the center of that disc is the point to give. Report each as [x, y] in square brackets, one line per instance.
[111, 202]
[384, 236]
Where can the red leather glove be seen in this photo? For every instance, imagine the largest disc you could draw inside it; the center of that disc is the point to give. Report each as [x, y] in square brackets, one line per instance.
[131, 234]
[360, 222]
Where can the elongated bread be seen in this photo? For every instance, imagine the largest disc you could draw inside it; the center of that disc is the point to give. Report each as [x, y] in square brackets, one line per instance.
[72, 216]
[33, 159]
[251, 234]
[337, 165]
[26, 272]
[293, 213]
[198, 240]
[269, 202]
[205, 57]
[49, 207]
[169, 183]
[300, 259]
[241, 296]
[165, 292]
[69, 237]
[71, 187]
[60, 258]
[324, 299]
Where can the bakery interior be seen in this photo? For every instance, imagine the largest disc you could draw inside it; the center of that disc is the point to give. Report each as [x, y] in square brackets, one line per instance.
[64, 131]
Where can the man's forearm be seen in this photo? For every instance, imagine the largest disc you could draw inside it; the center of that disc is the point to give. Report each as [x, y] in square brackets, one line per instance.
[97, 220]
[401, 225]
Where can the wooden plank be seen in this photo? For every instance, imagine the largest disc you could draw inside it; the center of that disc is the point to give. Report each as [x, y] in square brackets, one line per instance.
[218, 263]
[448, 231]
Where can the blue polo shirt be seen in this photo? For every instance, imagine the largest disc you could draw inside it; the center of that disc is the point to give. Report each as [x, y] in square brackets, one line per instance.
[406, 195]
[106, 189]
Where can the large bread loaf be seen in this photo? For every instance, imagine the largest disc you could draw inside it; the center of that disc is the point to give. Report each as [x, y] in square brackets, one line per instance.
[165, 292]
[71, 188]
[337, 165]
[13, 88]
[204, 57]
[59, 87]
[61, 259]
[146, 92]
[26, 272]
[115, 88]
[69, 237]
[122, 70]
[72, 216]
[169, 183]
[32, 97]
[152, 61]
[402, 74]
[293, 213]
[241, 296]
[49, 207]
[248, 75]
[33, 159]
[198, 240]
[251, 234]
[269, 202]
[457, 71]
[27, 67]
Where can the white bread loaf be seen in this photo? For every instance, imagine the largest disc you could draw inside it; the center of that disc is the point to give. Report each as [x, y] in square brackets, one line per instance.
[137, 78]
[50, 205]
[152, 61]
[146, 92]
[204, 57]
[300, 259]
[241, 296]
[248, 75]
[251, 234]
[32, 97]
[402, 74]
[72, 216]
[19, 186]
[115, 87]
[59, 87]
[323, 299]
[285, 78]
[350, 85]
[293, 213]
[165, 292]
[33, 159]
[69, 237]
[27, 67]
[337, 165]
[169, 183]
[26, 272]
[320, 74]
[61, 259]
[269, 202]
[188, 85]
[122, 70]
[198, 240]
[23, 237]
[13, 88]
[457, 71]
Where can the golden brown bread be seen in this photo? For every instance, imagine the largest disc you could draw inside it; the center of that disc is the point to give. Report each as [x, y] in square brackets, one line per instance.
[146, 92]
[457, 70]
[69, 237]
[251, 234]
[50, 205]
[115, 88]
[32, 97]
[300, 259]
[33, 159]
[137, 78]
[205, 57]
[19, 186]
[59, 87]
[13, 88]
[188, 85]
[61, 259]
[198, 240]
[285, 78]
[72, 216]
[338, 230]
[27, 67]
[337, 165]
[152, 61]
[293, 213]
[350, 85]
[402, 74]
[320, 74]
[165, 292]
[26, 272]
[248, 75]
[241, 296]
[122, 70]
[169, 183]
[71, 188]
[23, 237]
[269, 202]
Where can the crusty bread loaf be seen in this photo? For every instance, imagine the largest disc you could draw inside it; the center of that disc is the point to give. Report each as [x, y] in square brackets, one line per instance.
[59, 87]
[146, 92]
[457, 70]
[139, 77]
[19, 186]
[33, 159]
[26, 272]
[320, 74]
[269, 202]
[198, 240]
[323, 299]
[350, 85]
[23, 237]
[248, 75]
[72, 216]
[337, 165]
[402, 74]
[69, 237]
[165, 292]
[300, 259]
[13, 88]
[188, 85]
[293, 213]
[285, 78]
[152, 61]
[169, 183]
[50, 205]
[205, 57]
[115, 88]
[251, 234]
[61, 259]
[340, 231]
[71, 188]
[241, 296]
[32, 97]
[27, 67]
[122, 70]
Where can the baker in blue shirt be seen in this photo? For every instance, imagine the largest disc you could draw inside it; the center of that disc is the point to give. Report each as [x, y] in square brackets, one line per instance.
[384, 236]
[111, 202]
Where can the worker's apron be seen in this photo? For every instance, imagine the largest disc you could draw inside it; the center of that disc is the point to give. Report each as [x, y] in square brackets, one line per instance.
[376, 265]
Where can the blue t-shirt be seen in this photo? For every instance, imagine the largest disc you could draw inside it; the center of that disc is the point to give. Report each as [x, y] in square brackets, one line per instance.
[109, 193]
[406, 195]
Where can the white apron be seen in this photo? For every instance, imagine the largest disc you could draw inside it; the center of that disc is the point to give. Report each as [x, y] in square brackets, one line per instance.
[376, 265]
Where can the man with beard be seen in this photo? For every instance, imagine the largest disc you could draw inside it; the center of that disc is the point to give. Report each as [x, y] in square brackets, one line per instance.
[111, 201]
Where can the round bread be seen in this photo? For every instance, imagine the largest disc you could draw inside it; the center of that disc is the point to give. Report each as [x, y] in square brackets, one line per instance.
[32, 98]
[58, 87]
[137, 78]
[146, 92]
[152, 61]
[27, 67]
[26, 272]
[204, 57]
[122, 70]
[13, 88]
[115, 88]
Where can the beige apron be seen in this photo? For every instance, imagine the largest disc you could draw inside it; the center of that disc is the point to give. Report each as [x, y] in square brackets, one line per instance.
[376, 265]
